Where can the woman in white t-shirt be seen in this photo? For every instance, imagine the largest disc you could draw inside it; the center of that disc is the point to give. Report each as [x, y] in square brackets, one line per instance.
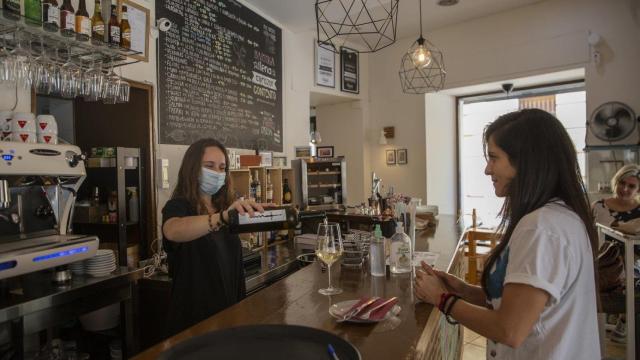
[538, 293]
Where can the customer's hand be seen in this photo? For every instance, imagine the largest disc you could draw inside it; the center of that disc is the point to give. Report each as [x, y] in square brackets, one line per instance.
[428, 286]
[452, 283]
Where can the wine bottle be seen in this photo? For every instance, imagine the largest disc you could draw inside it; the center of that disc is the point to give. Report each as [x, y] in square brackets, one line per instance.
[114, 27]
[50, 15]
[252, 186]
[83, 23]
[11, 9]
[258, 187]
[125, 30]
[67, 19]
[97, 25]
[286, 192]
[269, 190]
[273, 218]
[33, 11]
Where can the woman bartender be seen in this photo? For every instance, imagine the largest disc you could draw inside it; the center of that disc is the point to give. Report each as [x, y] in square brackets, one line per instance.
[205, 260]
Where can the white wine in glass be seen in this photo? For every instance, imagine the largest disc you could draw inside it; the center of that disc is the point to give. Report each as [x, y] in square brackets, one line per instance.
[329, 250]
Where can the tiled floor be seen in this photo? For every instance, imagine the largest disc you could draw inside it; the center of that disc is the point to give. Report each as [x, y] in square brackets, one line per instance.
[474, 346]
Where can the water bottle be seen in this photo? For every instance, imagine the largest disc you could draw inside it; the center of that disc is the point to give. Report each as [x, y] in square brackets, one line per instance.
[376, 253]
[401, 254]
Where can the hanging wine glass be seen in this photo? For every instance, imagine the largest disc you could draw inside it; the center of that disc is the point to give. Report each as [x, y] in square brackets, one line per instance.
[70, 77]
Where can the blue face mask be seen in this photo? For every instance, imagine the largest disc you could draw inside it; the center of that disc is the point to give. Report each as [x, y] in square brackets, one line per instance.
[211, 181]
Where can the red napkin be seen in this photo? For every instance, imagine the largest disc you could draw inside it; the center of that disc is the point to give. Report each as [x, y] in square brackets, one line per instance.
[360, 302]
[379, 314]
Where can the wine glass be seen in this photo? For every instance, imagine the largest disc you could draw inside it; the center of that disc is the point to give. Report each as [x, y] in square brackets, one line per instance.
[329, 250]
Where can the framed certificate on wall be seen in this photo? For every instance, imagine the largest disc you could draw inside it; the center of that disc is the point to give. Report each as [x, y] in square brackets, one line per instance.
[325, 67]
[349, 68]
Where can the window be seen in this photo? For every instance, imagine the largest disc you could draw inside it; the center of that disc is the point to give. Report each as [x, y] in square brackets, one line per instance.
[567, 102]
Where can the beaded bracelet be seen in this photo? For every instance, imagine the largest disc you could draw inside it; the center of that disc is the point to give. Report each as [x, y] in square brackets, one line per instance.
[211, 229]
[444, 297]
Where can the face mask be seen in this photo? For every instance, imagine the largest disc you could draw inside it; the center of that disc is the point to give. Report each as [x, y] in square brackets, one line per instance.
[211, 181]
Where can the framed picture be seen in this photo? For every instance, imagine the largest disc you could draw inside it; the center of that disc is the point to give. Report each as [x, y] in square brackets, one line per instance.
[139, 18]
[325, 67]
[303, 151]
[324, 151]
[401, 156]
[391, 157]
[349, 68]
[266, 158]
[279, 161]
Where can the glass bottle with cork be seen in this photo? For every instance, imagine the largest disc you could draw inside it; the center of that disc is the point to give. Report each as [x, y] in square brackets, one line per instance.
[97, 24]
[125, 30]
[114, 27]
[50, 15]
[286, 192]
[83, 22]
[67, 19]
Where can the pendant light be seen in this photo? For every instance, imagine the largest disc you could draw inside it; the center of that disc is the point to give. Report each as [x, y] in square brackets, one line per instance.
[364, 27]
[422, 66]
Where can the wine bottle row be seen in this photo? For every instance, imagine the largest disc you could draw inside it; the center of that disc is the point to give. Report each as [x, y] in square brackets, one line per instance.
[54, 17]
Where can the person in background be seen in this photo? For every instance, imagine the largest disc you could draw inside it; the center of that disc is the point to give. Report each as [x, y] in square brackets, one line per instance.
[205, 260]
[537, 298]
[621, 207]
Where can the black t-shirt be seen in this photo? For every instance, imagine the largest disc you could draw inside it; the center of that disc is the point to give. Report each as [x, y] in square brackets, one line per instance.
[207, 273]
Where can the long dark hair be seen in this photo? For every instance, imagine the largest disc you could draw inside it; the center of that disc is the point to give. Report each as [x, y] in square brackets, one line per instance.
[544, 157]
[188, 186]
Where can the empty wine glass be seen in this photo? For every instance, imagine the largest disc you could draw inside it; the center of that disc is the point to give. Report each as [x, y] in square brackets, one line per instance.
[329, 250]
[125, 89]
[20, 62]
[70, 77]
[110, 87]
[5, 62]
[92, 82]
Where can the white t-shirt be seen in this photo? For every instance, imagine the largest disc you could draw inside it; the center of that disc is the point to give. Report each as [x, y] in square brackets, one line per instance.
[550, 250]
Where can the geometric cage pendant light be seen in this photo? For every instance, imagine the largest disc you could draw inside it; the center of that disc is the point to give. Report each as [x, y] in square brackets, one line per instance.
[422, 66]
[363, 25]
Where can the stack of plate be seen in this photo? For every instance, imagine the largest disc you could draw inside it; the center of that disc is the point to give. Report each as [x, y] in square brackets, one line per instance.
[102, 264]
[77, 267]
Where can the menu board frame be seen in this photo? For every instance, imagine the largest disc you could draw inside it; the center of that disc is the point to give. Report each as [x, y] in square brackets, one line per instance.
[349, 70]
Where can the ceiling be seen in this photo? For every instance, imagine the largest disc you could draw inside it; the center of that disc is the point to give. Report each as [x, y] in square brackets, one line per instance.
[299, 15]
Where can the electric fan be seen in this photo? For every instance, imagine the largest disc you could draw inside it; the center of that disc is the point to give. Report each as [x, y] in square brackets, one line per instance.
[612, 123]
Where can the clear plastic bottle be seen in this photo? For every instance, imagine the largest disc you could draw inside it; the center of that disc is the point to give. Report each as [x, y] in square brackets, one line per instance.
[401, 254]
[376, 253]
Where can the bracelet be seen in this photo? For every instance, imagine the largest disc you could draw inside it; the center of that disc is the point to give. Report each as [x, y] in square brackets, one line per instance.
[222, 220]
[211, 229]
[447, 313]
[444, 297]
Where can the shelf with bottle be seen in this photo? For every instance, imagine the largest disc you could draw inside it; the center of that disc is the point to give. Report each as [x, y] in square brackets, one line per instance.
[38, 34]
[320, 173]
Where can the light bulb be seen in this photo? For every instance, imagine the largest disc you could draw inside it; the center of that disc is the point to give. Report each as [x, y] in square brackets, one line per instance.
[421, 57]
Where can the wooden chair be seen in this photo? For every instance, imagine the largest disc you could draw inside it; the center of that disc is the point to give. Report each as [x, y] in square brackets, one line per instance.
[477, 252]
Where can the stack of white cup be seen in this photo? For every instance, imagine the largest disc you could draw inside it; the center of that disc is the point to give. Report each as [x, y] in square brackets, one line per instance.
[23, 128]
[47, 129]
[5, 125]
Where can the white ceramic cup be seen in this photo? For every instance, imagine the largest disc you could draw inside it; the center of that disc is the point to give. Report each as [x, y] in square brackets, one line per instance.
[24, 136]
[5, 120]
[46, 124]
[23, 122]
[47, 138]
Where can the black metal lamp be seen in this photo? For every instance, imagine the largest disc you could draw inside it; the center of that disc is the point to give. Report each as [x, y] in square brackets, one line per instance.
[364, 27]
[422, 66]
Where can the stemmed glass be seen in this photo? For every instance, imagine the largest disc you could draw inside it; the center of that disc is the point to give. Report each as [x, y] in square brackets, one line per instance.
[70, 77]
[329, 249]
[110, 87]
[5, 62]
[20, 63]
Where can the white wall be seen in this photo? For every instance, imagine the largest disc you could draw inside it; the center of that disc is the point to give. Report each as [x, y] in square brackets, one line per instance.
[541, 38]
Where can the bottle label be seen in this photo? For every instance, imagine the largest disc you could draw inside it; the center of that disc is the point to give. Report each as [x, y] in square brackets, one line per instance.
[69, 20]
[115, 34]
[268, 216]
[83, 25]
[126, 35]
[52, 14]
[98, 29]
[287, 196]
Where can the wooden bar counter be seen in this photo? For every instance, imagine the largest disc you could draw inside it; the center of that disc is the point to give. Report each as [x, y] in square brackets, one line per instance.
[418, 332]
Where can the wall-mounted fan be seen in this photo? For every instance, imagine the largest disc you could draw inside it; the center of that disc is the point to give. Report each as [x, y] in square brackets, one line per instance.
[612, 123]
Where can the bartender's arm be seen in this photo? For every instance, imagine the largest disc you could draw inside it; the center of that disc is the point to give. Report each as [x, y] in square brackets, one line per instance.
[188, 228]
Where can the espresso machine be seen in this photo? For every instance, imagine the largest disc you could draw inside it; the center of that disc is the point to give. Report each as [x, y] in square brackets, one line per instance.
[38, 188]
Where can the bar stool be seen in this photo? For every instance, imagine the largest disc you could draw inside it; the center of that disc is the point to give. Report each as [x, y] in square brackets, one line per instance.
[476, 252]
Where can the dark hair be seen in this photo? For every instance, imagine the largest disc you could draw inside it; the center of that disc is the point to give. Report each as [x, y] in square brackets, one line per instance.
[188, 186]
[544, 157]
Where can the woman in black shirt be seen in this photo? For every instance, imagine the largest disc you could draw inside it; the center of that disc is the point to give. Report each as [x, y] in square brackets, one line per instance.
[205, 260]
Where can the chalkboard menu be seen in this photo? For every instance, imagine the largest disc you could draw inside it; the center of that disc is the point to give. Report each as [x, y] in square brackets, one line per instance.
[220, 75]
